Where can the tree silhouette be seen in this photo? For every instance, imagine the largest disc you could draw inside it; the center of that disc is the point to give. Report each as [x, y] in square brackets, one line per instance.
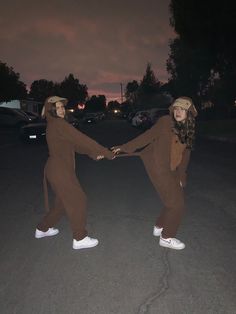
[10, 85]
[143, 95]
[73, 90]
[149, 88]
[190, 70]
[96, 103]
[131, 92]
[209, 28]
[113, 104]
[69, 88]
[149, 84]
[41, 89]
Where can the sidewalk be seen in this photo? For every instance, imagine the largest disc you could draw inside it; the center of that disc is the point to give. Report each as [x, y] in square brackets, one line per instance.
[227, 139]
[219, 130]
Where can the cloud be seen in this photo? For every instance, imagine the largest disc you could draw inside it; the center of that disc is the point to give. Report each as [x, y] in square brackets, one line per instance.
[103, 43]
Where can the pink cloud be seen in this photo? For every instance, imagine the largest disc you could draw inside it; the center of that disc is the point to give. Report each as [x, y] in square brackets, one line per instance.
[56, 27]
[112, 77]
[102, 48]
[52, 26]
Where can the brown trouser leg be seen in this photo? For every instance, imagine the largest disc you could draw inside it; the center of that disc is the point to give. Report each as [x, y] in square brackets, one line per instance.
[71, 200]
[172, 196]
[53, 216]
[75, 205]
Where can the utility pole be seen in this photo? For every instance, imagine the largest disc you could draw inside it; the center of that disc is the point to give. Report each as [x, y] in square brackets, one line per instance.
[121, 92]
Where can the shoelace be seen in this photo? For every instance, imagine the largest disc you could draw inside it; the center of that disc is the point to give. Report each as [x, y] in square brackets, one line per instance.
[174, 240]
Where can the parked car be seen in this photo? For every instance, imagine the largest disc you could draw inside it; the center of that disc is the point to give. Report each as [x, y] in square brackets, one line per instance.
[37, 131]
[34, 116]
[11, 117]
[124, 115]
[145, 119]
[141, 119]
[33, 131]
[100, 115]
[159, 113]
[90, 118]
[130, 116]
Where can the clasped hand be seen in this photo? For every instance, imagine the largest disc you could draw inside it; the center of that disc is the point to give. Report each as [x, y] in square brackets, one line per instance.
[115, 150]
[100, 157]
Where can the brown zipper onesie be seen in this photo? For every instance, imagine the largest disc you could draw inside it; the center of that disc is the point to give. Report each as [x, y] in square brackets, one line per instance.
[166, 161]
[63, 141]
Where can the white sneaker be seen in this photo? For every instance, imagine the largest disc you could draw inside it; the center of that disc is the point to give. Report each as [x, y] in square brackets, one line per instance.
[172, 243]
[85, 243]
[157, 231]
[50, 232]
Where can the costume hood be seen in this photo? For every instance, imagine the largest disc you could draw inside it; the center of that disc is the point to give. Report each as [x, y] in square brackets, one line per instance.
[49, 104]
[185, 103]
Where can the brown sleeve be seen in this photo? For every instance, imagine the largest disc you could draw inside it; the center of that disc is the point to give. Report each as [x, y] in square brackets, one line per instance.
[145, 138]
[182, 168]
[82, 143]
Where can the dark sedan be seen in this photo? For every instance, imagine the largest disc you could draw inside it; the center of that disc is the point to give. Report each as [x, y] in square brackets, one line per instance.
[90, 118]
[33, 131]
[37, 131]
[12, 117]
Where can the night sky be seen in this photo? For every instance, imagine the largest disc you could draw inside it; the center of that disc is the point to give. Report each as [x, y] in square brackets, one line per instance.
[102, 42]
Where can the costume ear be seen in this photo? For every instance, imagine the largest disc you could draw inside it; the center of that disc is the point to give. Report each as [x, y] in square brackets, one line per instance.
[194, 110]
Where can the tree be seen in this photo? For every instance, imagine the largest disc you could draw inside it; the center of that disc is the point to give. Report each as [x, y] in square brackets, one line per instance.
[190, 70]
[113, 105]
[96, 103]
[41, 89]
[150, 84]
[10, 85]
[69, 88]
[148, 89]
[144, 95]
[73, 90]
[131, 92]
[126, 107]
[209, 27]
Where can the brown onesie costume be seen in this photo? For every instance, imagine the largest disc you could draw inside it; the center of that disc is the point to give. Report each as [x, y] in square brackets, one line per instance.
[63, 141]
[166, 161]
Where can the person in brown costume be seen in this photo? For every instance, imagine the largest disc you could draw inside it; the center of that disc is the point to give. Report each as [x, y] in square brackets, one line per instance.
[166, 148]
[63, 141]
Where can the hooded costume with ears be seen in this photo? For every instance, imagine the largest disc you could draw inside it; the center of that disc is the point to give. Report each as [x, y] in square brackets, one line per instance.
[63, 142]
[165, 159]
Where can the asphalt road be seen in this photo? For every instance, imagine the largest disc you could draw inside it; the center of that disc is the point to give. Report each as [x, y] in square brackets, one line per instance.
[128, 272]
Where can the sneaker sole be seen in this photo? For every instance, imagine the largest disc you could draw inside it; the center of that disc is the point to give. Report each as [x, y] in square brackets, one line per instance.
[171, 247]
[43, 236]
[84, 247]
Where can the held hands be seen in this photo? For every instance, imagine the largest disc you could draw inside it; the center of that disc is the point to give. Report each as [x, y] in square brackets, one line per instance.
[108, 156]
[99, 157]
[115, 150]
